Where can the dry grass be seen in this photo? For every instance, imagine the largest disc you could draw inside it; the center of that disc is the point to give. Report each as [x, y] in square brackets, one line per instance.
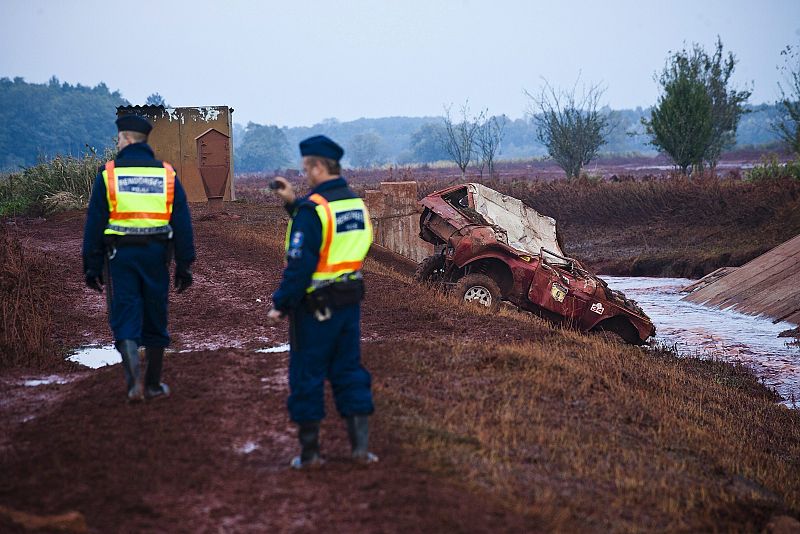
[62, 183]
[579, 432]
[25, 305]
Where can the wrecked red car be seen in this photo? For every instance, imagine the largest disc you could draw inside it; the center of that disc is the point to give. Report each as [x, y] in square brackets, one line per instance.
[491, 248]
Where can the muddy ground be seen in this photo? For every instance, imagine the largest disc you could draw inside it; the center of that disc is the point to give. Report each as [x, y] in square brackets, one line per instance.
[214, 456]
[483, 424]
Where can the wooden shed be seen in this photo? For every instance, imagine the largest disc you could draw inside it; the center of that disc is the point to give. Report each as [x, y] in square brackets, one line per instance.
[174, 139]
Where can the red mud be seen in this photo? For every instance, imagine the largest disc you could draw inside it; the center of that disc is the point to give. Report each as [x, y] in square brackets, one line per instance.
[214, 456]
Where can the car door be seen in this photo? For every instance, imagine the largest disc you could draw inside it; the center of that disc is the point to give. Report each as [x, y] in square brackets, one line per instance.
[560, 292]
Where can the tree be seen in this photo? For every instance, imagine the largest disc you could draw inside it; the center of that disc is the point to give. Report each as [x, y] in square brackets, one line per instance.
[264, 148]
[788, 125]
[427, 143]
[367, 150]
[459, 138]
[681, 122]
[488, 139]
[156, 100]
[572, 128]
[681, 110]
[727, 104]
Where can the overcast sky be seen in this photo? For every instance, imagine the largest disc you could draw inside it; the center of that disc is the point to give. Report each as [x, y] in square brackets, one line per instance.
[297, 63]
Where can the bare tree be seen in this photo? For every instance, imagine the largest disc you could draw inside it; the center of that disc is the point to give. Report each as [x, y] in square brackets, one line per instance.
[488, 139]
[459, 137]
[572, 128]
[788, 125]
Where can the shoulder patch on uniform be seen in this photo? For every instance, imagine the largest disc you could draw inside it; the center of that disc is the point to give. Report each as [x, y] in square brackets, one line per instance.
[297, 240]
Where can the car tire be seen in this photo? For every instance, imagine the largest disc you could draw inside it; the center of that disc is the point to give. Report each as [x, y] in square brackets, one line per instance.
[430, 270]
[479, 289]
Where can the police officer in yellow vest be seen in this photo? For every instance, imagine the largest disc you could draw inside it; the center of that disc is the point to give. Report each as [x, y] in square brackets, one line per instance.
[137, 217]
[322, 287]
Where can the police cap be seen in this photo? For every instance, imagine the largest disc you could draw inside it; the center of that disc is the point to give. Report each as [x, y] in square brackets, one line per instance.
[134, 123]
[321, 146]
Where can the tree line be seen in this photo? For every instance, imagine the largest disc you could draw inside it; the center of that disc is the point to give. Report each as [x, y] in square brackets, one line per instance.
[698, 116]
[694, 121]
[43, 120]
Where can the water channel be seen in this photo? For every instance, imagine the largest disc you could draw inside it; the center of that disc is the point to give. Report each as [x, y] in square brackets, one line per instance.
[695, 330]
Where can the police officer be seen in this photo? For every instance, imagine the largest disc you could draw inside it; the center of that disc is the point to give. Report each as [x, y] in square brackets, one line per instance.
[137, 217]
[326, 242]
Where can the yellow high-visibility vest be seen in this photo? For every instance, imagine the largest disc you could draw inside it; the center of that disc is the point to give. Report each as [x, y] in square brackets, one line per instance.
[346, 238]
[139, 198]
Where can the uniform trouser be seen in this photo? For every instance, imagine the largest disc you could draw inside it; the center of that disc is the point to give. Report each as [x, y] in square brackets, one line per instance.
[327, 349]
[139, 292]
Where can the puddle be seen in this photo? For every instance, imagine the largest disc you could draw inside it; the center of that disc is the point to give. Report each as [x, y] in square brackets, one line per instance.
[96, 357]
[279, 348]
[695, 330]
[247, 448]
[45, 380]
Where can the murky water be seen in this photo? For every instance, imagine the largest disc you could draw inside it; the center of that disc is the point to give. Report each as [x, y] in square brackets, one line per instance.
[45, 381]
[279, 348]
[96, 357]
[728, 335]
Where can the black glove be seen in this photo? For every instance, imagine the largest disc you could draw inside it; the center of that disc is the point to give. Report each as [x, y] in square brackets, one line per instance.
[183, 277]
[94, 280]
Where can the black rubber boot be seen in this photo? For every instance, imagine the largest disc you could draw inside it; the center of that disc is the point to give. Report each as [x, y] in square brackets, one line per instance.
[358, 432]
[129, 350]
[153, 387]
[308, 435]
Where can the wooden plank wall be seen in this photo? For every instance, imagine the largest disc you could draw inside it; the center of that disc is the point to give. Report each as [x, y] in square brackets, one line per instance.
[768, 285]
[394, 213]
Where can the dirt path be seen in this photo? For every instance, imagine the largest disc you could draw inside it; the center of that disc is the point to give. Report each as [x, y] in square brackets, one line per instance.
[214, 456]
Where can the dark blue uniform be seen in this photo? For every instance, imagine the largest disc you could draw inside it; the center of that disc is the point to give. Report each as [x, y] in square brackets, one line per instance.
[320, 349]
[139, 273]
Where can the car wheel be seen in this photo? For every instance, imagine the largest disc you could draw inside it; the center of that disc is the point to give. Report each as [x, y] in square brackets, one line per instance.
[479, 289]
[430, 270]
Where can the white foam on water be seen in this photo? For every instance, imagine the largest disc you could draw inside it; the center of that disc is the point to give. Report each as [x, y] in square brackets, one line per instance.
[96, 357]
[696, 330]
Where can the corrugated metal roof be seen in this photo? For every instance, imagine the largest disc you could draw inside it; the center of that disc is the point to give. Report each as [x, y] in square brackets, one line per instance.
[147, 107]
[138, 108]
[768, 285]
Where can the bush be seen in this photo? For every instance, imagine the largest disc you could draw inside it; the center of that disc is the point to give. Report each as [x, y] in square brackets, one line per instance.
[772, 169]
[25, 306]
[59, 184]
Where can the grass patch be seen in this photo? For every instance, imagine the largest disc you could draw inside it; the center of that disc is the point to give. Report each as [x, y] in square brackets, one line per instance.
[771, 169]
[59, 184]
[592, 435]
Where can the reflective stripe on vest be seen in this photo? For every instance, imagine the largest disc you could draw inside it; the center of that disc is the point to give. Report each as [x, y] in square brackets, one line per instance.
[346, 238]
[139, 198]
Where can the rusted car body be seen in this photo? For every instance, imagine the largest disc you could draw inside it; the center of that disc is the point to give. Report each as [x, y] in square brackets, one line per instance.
[491, 247]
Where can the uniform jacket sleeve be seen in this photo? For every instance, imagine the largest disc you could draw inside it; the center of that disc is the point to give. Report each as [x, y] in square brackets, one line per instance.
[301, 258]
[181, 222]
[96, 222]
